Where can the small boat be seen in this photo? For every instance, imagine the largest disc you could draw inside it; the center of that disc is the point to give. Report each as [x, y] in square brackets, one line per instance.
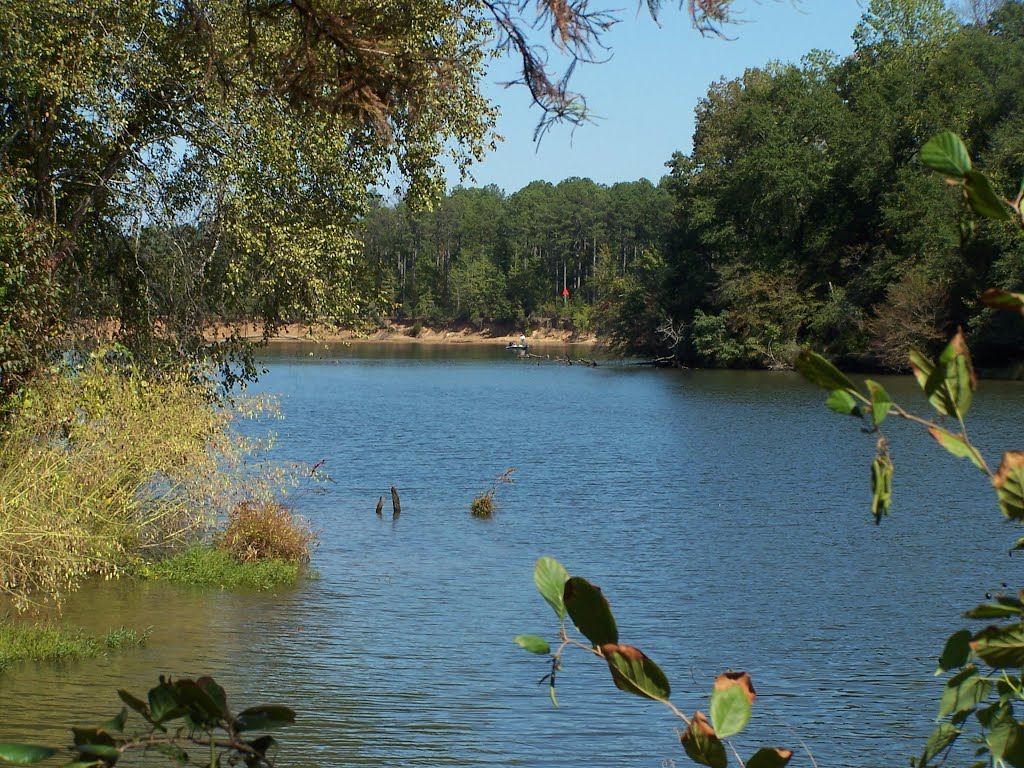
[513, 345]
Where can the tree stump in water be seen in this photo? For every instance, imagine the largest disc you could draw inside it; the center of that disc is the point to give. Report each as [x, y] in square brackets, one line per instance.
[395, 503]
[380, 505]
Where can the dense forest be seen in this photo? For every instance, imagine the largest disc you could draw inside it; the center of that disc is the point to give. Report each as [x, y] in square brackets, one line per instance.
[802, 215]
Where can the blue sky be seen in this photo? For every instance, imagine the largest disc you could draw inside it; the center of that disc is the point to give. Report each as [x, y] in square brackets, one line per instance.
[645, 96]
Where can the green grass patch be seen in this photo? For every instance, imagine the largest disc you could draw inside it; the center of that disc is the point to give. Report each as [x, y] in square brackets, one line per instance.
[23, 641]
[204, 565]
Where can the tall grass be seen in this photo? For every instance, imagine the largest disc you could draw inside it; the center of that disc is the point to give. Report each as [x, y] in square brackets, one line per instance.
[49, 642]
[101, 467]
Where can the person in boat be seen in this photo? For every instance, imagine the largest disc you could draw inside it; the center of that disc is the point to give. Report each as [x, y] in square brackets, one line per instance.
[522, 340]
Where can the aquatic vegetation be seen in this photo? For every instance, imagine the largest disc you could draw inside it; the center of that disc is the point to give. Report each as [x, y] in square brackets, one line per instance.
[23, 641]
[483, 506]
[206, 565]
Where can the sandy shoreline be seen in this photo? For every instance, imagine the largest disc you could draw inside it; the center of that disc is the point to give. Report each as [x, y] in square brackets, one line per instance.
[399, 333]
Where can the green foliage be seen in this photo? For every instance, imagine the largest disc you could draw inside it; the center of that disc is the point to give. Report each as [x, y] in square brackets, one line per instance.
[633, 672]
[25, 641]
[981, 694]
[179, 714]
[92, 480]
[205, 565]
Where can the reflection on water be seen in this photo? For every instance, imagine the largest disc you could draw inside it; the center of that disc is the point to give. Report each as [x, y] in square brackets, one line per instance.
[724, 514]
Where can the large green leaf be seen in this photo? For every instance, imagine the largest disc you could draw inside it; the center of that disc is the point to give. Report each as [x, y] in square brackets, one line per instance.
[24, 754]
[770, 757]
[702, 743]
[731, 701]
[983, 198]
[947, 154]
[1000, 646]
[881, 402]
[957, 445]
[117, 722]
[137, 704]
[956, 651]
[1009, 484]
[162, 704]
[963, 692]
[533, 644]
[941, 738]
[590, 611]
[634, 673]
[550, 578]
[817, 370]
[216, 693]
[264, 718]
[842, 402]
[197, 703]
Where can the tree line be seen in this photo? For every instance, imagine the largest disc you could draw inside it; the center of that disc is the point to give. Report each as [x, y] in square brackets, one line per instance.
[802, 215]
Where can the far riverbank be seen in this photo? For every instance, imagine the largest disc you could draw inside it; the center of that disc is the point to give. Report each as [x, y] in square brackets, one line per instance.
[409, 333]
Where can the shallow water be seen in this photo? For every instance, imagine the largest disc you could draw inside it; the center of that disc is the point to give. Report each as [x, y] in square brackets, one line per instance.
[725, 515]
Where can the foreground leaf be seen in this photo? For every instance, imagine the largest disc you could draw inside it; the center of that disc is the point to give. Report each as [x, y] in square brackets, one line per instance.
[983, 198]
[947, 154]
[264, 718]
[881, 402]
[702, 743]
[956, 651]
[634, 673]
[590, 611]
[817, 370]
[881, 481]
[998, 299]
[24, 754]
[1009, 484]
[957, 445]
[941, 738]
[1000, 646]
[770, 757]
[533, 644]
[963, 692]
[550, 578]
[842, 402]
[731, 701]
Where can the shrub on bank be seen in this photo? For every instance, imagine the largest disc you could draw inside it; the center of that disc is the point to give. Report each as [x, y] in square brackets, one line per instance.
[101, 466]
[265, 530]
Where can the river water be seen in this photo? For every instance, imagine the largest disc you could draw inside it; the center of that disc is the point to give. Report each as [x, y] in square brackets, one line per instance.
[724, 514]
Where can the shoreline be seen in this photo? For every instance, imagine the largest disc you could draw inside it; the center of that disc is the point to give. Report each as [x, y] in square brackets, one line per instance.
[401, 333]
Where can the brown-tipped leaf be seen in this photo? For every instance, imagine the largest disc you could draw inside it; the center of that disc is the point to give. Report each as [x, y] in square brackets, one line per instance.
[770, 757]
[702, 743]
[590, 612]
[1009, 484]
[634, 673]
[817, 370]
[942, 737]
[999, 299]
[881, 402]
[550, 578]
[1000, 646]
[957, 445]
[731, 700]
